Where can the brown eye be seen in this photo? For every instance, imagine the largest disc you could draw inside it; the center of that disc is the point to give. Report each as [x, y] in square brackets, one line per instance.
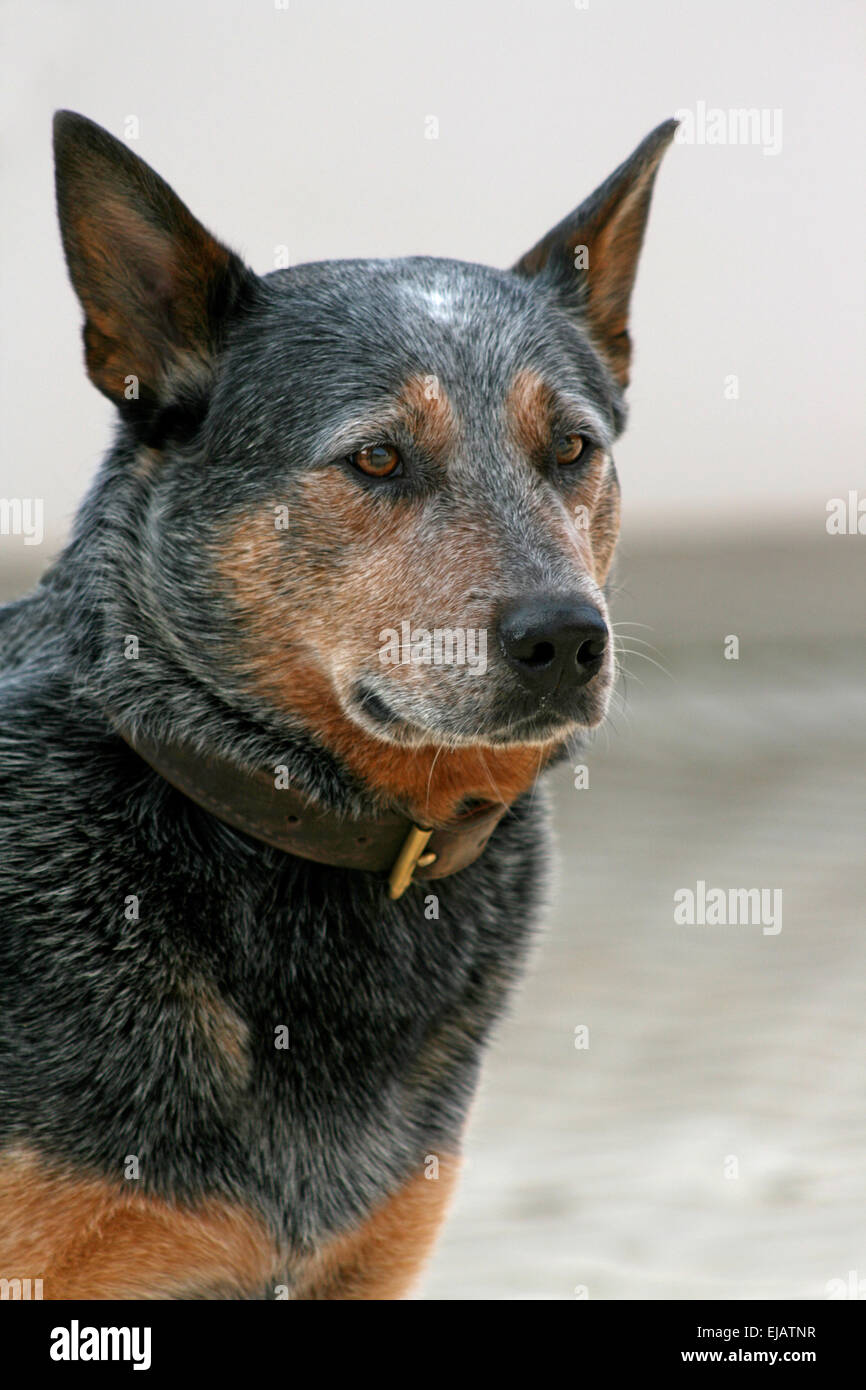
[569, 448]
[377, 460]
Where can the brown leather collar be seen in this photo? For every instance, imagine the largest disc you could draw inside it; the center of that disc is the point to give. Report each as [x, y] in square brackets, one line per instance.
[250, 801]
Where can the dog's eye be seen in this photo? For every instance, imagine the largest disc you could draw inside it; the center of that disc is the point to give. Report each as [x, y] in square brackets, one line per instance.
[568, 449]
[377, 461]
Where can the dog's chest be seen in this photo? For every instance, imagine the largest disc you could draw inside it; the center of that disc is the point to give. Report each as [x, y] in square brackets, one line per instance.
[340, 1049]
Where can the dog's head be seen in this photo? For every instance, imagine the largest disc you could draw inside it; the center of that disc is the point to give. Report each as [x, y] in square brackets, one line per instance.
[390, 481]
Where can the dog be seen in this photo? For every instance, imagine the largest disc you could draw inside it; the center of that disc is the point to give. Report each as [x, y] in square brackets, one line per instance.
[271, 727]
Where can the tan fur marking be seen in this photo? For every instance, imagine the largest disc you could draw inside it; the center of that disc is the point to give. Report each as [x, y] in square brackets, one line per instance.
[613, 260]
[147, 462]
[383, 1257]
[218, 1029]
[597, 492]
[604, 528]
[90, 1239]
[429, 414]
[125, 334]
[528, 407]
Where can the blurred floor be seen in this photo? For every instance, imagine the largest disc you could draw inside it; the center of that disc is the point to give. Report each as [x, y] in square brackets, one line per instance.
[606, 1167]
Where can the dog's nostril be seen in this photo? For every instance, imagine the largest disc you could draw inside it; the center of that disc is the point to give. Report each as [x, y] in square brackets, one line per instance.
[592, 650]
[541, 655]
[293, 820]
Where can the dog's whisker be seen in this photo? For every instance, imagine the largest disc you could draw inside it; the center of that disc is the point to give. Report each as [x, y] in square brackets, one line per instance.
[490, 776]
[626, 651]
[537, 775]
[430, 775]
[621, 639]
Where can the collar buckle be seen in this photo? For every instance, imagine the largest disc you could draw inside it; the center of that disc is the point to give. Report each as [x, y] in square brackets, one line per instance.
[411, 856]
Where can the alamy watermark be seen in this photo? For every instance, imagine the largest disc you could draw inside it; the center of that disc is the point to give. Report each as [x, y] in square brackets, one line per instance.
[711, 907]
[20, 1290]
[22, 516]
[853, 1287]
[444, 646]
[846, 516]
[77, 1343]
[713, 125]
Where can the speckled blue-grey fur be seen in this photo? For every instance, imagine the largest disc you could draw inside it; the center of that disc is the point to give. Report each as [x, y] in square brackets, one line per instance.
[101, 1055]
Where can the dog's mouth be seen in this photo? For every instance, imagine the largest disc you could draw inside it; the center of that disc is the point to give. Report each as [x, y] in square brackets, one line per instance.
[539, 672]
[508, 723]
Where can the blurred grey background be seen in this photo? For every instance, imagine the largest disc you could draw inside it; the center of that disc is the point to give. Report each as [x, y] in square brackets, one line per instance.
[605, 1171]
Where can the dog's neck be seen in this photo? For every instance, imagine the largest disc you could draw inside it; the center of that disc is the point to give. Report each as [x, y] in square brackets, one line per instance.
[271, 811]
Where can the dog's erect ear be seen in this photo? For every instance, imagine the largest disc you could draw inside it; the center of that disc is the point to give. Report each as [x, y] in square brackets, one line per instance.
[590, 257]
[156, 287]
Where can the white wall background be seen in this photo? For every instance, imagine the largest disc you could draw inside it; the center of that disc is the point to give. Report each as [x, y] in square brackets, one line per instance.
[306, 126]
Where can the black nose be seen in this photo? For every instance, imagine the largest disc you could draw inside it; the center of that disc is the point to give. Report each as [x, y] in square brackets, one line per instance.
[553, 642]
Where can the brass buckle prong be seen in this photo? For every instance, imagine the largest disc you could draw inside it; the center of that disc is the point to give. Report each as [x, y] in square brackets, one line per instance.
[407, 861]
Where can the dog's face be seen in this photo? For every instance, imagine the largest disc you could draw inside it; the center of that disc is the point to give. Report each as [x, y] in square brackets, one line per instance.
[400, 471]
[437, 461]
